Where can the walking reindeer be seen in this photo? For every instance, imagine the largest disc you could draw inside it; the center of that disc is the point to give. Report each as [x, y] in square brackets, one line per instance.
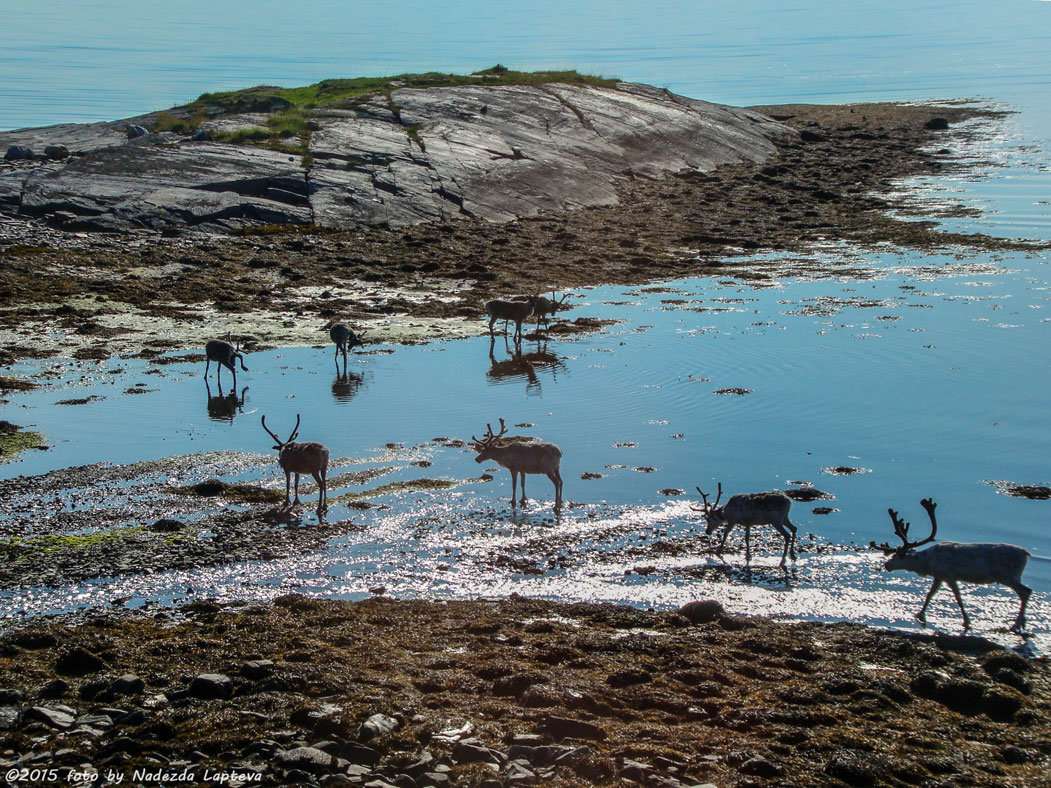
[296, 458]
[951, 562]
[518, 311]
[547, 307]
[521, 457]
[748, 509]
[224, 355]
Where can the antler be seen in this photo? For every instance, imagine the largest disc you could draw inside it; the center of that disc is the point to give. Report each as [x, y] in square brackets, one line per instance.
[901, 530]
[930, 506]
[295, 431]
[489, 436]
[707, 508]
[277, 440]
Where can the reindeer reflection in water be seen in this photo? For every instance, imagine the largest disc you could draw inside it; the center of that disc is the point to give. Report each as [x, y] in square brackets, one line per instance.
[522, 365]
[225, 406]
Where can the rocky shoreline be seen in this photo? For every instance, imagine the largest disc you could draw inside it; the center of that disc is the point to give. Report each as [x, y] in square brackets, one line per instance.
[834, 181]
[417, 694]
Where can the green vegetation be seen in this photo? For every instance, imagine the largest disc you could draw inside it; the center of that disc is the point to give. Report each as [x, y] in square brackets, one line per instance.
[14, 440]
[330, 92]
[287, 127]
[166, 121]
[243, 493]
[15, 546]
[408, 485]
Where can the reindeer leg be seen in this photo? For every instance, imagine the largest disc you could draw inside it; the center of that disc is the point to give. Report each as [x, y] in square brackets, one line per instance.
[922, 615]
[557, 481]
[492, 322]
[522, 474]
[288, 488]
[321, 490]
[514, 490]
[1023, 592]
[959, 600]
[788, 541]
[792, 549]
[297, 490]
[748, 544]
[722, 542]
[207, 365]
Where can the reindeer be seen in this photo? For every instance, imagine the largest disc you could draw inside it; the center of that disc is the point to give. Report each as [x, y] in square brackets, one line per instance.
[300, 458]
[748, 509]
[224, 355]
[521, 457]
[548, 307]
[518, 311]
[951, 562]
[344, 338]
[225, 406]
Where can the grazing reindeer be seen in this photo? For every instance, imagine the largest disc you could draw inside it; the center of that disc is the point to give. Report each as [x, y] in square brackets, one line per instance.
[521, 458]
[547, 307]
[345, 339]
[518, 311]
[951, 562]
[300, 458]
[748, 509]
[224, 355]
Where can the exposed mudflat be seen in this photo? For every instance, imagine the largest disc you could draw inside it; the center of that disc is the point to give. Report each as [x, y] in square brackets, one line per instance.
[96, 295]
[517, 692]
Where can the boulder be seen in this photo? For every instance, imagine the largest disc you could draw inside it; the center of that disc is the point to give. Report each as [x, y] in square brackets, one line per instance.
[56, 152]
[211, 686]
[135, 131]
[18, 153]
[702, 611]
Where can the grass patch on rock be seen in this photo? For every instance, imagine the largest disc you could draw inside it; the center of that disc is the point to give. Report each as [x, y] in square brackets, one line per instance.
[14, 440]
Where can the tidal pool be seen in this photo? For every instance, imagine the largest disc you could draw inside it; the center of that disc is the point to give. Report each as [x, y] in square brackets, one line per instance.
[927, 374]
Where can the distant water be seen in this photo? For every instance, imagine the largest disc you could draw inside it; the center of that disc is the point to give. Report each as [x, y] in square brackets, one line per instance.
[67, 60]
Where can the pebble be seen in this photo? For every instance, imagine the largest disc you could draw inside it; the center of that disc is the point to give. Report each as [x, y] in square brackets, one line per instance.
[211, 686]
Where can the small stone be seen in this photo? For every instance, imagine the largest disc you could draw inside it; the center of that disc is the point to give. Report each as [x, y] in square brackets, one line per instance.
[56, 718]
[256, 669]
[761, 767]
[309, 759]
[464, 752]
[209, 686]
[936, 124]
[54, 689]
[702, 611]
[56, 152]
[517, 683]
[359, 753]
[376, 725]
[568, 728]
[128, 684]
[201, 135]
[9, 718]
[134, 131]
[11, 696]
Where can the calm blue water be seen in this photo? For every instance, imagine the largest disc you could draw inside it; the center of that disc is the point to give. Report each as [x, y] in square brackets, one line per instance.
[951, 393]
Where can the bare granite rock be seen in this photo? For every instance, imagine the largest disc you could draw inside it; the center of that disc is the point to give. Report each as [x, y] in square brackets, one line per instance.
[493, 152]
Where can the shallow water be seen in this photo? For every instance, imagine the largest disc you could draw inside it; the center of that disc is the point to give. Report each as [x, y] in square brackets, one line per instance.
[928, 372]
[920, 371]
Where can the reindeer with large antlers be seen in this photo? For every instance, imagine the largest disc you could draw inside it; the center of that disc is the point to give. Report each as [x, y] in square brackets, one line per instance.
[951, 562]
[521, 457]
[224, 355]
[748, 509]
[296, 458]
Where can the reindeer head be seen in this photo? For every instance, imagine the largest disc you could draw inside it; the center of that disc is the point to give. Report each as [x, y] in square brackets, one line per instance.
[485, 446]
[355, 340]
[713, 512]
[901, 557]
[280, 444]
